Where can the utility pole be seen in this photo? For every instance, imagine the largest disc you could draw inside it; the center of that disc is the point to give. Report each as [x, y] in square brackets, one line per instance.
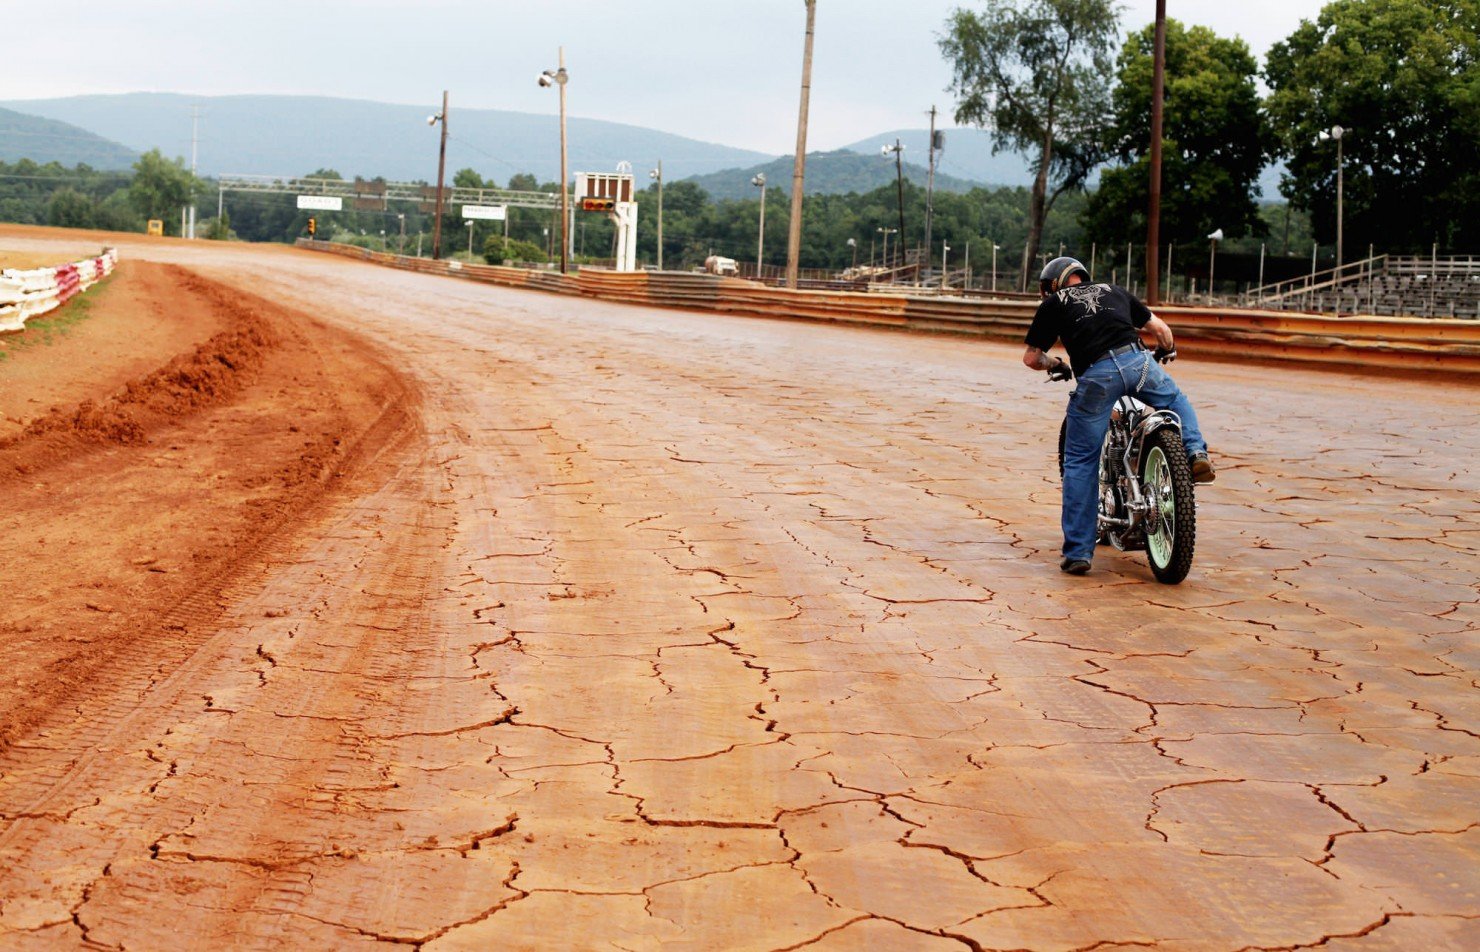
[1153, 214]
[760, 242]
[194, 142]
[559, 77]
[930, 193]
[656, 173]
[799, 163]
[898, 151]
[441, 170]
[565, 214]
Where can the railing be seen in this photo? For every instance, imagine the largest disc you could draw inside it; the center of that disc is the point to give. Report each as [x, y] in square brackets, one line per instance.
[1417, 286]
[1322, 280]
[365, 193]
[27, 294]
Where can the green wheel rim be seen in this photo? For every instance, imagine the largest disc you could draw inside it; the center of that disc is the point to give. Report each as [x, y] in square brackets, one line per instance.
[1158, 488]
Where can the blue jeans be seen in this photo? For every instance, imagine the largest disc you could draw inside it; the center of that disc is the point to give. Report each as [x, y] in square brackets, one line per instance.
[1105, 382]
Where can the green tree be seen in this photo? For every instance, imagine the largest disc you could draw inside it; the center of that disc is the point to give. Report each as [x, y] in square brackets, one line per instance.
[220, 228]
[1036, 73]
[69, 208]
[160, 187]
[497, 250]
[469, 178]
[1402, 78]
[1214, 140]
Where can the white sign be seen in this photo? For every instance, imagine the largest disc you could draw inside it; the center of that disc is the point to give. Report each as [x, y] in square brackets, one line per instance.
[492, 212]
[323, 203]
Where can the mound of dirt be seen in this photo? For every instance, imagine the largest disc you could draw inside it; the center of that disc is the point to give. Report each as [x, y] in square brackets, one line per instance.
[129, 504]
[213, 373]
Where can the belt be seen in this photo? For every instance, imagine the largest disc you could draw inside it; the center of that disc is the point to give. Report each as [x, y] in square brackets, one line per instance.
[1117, 351]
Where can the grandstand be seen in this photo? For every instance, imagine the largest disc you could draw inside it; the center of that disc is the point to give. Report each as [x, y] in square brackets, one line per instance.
[1432, 286]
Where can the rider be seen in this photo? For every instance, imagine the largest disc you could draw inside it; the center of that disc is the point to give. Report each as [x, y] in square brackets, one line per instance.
[1100, 326]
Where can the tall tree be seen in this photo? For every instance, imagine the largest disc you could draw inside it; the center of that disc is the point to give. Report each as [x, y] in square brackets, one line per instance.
[1036, 73]
[1214, 140]
[1402, 78]
[160, 187]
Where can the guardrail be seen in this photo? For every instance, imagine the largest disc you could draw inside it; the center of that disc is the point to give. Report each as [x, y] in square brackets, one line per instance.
[1388, 342]
[26, 294]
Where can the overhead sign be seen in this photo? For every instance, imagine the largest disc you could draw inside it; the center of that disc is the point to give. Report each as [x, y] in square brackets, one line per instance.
[491, 212]
[323, 203]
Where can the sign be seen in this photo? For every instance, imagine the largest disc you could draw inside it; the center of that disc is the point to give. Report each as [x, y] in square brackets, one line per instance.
[490, 212]
[323, 203]
[156, 226]
[617, 187]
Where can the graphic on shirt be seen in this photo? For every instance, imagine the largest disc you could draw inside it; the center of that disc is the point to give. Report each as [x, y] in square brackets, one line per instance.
[1087, 295]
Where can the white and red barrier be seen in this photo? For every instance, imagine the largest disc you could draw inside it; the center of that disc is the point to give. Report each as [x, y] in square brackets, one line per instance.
[25, 294]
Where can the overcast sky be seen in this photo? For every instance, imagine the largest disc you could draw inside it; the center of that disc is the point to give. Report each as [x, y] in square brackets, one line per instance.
[726, 72]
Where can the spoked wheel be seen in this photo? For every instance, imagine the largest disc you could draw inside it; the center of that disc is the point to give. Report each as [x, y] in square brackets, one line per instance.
[1171, 523]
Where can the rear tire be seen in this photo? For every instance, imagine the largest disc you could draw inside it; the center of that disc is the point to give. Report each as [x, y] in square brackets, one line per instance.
[1166, 479]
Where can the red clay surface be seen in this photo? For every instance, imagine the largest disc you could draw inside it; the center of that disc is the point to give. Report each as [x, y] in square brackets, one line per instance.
[609, 627]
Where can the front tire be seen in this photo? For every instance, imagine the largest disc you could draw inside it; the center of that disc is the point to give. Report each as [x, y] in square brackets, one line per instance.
[1166, 479]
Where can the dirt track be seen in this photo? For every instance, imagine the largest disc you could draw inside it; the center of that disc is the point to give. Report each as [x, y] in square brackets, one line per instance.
[616, 628]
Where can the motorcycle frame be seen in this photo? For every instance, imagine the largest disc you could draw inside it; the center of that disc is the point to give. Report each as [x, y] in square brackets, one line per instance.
[1140, 422]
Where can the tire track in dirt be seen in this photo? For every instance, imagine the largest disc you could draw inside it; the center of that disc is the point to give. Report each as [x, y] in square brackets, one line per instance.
[744, 634]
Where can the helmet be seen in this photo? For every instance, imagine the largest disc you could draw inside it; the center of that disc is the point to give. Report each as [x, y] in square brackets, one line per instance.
[1056, 274]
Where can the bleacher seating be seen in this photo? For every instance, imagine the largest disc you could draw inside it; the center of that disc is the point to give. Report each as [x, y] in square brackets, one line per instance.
[1391, 286]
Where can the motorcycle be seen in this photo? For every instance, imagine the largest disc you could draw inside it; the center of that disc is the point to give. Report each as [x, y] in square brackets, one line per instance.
[1146, 489]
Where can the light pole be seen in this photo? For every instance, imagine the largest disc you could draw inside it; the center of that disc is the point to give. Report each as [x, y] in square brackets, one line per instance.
[945, 268]
[401, 245]
[799, 161]
[936, 144]
[383, 245]
[1213, 240]
[558, 77]
[441, 169]
[898, 151]
[657, 175]
[469, 223]
[760, 243]
[1153, 215]
[884, 253]
[1337, 133]
[853, 243]
[995, 248]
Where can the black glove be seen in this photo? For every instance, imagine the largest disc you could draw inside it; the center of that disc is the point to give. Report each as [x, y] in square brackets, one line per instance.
[1165, 355]
[1059, 370]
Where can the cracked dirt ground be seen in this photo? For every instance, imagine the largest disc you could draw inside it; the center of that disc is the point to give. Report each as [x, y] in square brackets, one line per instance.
[684, 631]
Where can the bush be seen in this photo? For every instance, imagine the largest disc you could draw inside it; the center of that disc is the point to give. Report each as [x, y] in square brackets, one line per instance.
[497, 250]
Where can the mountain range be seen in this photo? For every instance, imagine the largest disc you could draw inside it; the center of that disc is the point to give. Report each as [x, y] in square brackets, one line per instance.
[296, 135]
[288, 136]
[25, 136]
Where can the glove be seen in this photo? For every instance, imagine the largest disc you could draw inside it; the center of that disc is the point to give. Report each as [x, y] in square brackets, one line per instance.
[1165, 355]
[1059, 370]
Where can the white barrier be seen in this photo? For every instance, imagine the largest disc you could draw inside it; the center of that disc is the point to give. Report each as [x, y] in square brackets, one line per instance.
[25, 294]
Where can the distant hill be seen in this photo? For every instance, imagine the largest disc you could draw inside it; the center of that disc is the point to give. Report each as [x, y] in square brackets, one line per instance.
[828, 173]
[967, 155]
[295, 135]
[47, 140]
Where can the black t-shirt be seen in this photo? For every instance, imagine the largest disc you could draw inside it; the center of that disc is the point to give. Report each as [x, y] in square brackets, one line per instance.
[1090, 319]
